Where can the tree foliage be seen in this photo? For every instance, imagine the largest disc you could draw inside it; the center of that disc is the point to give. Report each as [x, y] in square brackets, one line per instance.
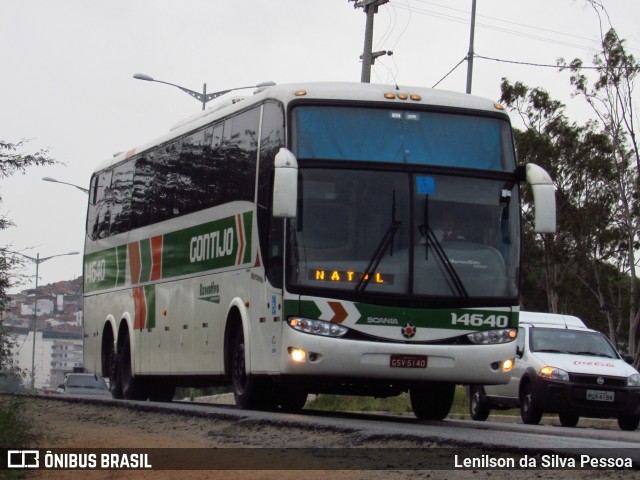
[13, 160]
[591, 262]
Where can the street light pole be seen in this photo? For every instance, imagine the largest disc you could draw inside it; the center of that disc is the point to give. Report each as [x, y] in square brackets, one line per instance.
[37, 260]
[203, 97]
[50, 179]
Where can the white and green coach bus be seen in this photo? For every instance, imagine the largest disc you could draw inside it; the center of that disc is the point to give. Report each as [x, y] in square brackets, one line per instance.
[293, 241]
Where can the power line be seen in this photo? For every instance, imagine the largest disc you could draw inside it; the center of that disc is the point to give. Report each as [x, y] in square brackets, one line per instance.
[507, 21]
[531, 64]
[452, 18]
[450, 72]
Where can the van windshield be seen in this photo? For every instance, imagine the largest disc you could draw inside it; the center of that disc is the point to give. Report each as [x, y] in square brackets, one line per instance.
[576, 342]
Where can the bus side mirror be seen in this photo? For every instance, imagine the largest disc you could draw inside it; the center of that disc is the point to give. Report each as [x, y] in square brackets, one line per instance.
[544, 199]
[285, 185]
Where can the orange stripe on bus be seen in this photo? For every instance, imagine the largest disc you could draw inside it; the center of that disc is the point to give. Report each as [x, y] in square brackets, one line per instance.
[134, 262]
[156, 257]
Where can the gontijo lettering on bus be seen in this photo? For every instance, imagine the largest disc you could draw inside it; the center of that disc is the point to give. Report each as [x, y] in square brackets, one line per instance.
[210, 246]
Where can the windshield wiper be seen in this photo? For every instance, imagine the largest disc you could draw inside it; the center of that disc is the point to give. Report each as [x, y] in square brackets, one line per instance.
[378, 254]
[431, 239]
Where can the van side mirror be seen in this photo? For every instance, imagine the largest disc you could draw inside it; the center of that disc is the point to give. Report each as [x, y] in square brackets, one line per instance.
[519, 351]
[628, 359]
[544, 198]
[285, 185]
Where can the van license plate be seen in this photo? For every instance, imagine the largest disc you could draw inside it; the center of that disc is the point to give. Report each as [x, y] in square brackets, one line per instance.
[599, 396]
[408, 361]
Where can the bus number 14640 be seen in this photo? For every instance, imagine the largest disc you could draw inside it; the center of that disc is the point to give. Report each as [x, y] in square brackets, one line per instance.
[479, 320]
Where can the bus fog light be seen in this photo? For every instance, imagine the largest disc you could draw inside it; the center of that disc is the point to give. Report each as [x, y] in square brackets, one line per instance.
[297, 354]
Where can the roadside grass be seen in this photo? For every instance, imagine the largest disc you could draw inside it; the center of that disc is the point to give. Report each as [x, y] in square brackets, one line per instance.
[398, 405]
[15, 431]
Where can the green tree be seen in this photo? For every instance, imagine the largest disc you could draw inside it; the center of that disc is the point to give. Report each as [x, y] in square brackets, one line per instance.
[609, 93]
[13, 160]
[571, 269]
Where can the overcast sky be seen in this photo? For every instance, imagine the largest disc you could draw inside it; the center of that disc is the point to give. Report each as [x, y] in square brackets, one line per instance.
[66, 75]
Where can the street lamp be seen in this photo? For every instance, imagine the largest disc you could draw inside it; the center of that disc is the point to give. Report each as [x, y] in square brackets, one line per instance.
[49, 179]
[203, 97]
[37, 260]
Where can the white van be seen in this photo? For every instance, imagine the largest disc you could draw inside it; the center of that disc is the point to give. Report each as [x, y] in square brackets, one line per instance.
[563, 367]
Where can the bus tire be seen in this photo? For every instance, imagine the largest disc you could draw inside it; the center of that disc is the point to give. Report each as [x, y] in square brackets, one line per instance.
[479, 408]
[132, 388]
[249, 391]
[115, 385]
[292, 400]
[161, 392]
[432, 400]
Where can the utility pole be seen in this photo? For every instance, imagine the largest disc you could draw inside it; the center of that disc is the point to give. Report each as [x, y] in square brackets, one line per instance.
[470, 54]
[368, 57]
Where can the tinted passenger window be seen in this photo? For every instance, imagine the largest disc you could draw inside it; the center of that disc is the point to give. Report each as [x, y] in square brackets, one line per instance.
[167, 182]
[240, 145]
[103, 206]
[142, 198]
[271, 140]
[121, 186]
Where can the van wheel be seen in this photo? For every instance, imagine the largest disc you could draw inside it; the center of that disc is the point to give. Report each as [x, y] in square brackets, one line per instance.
[432, 400]
[568, 419]
[530, 411]
[249, 391]
[479, 408]
[628, 424]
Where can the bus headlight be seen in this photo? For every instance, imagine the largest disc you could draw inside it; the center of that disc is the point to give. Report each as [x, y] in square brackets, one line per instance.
[493, 336]
[317, 327]
[553, 373]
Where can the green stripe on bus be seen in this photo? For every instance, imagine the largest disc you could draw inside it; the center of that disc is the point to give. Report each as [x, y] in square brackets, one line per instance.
[150, 296]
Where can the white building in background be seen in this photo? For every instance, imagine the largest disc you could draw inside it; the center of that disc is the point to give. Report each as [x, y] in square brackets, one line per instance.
[45, 307]
[56, 353]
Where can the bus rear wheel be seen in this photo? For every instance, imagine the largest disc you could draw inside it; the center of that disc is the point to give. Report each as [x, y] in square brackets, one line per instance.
[132, 387]
[432, 401]
[249, 391]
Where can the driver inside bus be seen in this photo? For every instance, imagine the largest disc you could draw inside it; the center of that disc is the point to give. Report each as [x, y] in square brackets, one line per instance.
[447, 227]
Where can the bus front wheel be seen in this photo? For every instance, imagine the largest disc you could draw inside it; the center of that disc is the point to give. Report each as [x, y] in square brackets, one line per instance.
[432, 401]
[249, 391]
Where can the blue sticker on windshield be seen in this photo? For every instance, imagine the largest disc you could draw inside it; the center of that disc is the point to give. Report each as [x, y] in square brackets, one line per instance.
[425, 185]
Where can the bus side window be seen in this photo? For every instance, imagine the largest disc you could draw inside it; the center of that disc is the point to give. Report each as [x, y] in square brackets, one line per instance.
[191, 190]
[271, 245]
[92, 211]
[142, 198]
[103, 205]
[213, 168]
[240, 143]
[121, 186]
[167, 182]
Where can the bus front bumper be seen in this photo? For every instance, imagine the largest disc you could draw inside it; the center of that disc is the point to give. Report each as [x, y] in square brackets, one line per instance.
[314, 355]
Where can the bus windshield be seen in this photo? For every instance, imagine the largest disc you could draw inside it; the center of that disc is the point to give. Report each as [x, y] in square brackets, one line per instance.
[402, 136]
[403, 233]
